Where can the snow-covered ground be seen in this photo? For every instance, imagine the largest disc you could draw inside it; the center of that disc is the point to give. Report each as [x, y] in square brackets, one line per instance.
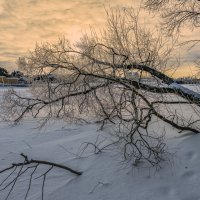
[105, 176]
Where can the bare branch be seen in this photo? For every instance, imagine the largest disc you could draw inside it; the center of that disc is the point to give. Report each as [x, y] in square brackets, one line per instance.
[27, 164]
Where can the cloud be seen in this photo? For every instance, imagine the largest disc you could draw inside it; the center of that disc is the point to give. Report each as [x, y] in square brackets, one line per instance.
[25, 22]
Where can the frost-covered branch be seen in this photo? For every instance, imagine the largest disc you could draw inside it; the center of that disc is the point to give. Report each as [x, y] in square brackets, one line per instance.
[28, 165]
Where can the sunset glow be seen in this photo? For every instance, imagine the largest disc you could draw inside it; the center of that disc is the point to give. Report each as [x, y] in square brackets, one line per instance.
[24, 23]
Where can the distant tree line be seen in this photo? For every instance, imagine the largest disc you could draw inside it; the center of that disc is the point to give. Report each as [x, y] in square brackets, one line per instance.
[24, 78]
[4, 72]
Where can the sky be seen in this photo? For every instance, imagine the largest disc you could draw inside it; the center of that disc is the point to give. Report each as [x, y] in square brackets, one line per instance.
[23, 23]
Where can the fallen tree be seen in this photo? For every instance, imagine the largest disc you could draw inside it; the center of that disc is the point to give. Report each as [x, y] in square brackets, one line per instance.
[93, 83]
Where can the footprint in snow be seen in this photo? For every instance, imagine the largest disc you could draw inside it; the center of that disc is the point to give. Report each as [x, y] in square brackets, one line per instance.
[192, 197]
[191, 155]
[188, 175]
[166, 191]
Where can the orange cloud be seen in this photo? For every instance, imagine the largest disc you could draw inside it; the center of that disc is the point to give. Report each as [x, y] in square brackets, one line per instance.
[25, 22]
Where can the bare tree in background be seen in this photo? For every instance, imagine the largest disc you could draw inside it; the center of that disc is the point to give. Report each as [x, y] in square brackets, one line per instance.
[119, 79]
[176, 14]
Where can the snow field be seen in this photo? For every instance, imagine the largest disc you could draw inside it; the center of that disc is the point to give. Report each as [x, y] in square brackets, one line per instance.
[105, 175]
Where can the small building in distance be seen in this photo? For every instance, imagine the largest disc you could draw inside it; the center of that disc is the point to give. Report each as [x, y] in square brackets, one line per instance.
[8, 80]
[2, 79]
